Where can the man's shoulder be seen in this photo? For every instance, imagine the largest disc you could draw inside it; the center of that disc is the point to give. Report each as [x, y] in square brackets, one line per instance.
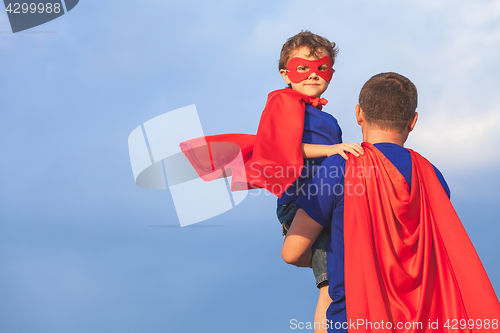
[332, 170]
[422, 160]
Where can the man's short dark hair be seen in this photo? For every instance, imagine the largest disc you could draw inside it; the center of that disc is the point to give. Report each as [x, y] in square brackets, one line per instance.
[389, 101]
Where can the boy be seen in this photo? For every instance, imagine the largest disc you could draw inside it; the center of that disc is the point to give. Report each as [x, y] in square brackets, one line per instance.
[306, 63]
[293, 139]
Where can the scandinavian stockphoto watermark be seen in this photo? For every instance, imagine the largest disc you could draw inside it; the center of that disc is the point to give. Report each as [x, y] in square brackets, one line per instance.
[25, 15]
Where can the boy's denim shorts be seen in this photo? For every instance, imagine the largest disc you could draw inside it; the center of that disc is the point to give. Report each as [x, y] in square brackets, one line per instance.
[286, 213]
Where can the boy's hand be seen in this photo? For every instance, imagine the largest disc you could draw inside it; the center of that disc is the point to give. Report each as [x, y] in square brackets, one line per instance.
[342, 148]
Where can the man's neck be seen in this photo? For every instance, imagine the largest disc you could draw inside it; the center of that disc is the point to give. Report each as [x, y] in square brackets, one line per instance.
[377, 136]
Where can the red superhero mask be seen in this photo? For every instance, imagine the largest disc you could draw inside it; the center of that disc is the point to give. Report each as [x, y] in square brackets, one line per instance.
[299, 69]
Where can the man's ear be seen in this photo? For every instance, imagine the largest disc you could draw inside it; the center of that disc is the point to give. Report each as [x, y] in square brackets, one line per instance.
[412, 122]
[284, 73]
[360, 116]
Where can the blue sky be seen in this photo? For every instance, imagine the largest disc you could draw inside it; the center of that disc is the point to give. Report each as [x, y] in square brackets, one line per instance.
[83, 249]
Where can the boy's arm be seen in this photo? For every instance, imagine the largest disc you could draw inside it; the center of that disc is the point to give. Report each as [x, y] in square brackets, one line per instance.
[313, 151]
[297, 247]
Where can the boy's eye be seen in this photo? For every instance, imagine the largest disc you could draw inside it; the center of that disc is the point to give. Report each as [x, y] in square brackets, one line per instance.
[323, 67]
[302, 69]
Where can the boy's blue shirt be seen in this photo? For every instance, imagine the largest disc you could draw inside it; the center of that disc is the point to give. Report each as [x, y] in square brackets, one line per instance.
[320, 128]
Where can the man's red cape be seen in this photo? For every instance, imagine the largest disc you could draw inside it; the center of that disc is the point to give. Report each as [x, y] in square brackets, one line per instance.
[407, 256]
[272, 159]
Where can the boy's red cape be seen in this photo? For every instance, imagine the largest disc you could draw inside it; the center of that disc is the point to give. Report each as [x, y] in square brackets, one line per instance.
[272, 159]
[407, 256]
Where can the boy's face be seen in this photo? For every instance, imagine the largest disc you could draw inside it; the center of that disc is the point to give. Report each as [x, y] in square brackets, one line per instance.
[314, 85]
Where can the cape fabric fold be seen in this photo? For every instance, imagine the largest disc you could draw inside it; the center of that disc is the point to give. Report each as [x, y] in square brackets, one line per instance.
[408, 259]
[272, 159]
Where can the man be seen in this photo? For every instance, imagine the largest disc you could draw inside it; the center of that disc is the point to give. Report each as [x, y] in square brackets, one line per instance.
[409, 264]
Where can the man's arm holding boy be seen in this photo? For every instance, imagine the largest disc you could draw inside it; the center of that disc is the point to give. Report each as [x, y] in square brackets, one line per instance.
[315, 214]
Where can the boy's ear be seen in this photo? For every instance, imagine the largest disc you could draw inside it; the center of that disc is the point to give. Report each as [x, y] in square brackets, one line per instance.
[284, 73]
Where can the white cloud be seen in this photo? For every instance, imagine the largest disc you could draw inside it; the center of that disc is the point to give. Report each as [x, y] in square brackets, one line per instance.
[460, 118]
[457, 139]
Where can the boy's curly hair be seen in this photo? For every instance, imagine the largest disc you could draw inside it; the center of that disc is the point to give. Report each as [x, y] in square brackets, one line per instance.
[312, 41]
